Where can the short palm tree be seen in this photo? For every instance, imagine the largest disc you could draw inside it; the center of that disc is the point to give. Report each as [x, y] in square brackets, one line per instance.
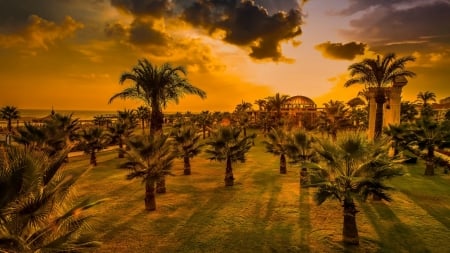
[300, 151]
[156, 86]
[428, 134]
[378, 74]
[276, 144]
[9, 113]
[38, 210]
[408, 112]
[205, 121]
[423, 99]
[150, 158]
[92, 140]
[356, 167]
[276, 103]
[118, 133]
[333, 118]
[143, 113]
[228, 145]
[187, 142]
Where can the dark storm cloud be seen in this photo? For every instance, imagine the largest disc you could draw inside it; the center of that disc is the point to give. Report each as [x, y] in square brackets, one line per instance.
[156, 8]
[427, 24]
[247, 24]
[14, 15]
[244, 23]
[346, 51]
[142, 33]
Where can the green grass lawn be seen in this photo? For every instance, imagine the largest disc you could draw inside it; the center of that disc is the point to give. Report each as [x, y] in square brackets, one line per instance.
[263, 212]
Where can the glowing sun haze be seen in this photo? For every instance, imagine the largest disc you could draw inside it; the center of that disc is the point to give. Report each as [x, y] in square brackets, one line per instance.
[70, 54]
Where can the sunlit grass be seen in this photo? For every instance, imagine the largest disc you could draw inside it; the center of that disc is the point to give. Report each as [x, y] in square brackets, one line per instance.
[263, 212]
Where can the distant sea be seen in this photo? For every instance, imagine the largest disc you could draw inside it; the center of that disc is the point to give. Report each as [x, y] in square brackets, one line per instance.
[80, 114]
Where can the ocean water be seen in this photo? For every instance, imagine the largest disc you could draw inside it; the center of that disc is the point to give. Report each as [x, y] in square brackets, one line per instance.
[80, 114]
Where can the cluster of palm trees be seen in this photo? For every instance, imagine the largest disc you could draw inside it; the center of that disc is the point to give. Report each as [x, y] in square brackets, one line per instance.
[346, 166]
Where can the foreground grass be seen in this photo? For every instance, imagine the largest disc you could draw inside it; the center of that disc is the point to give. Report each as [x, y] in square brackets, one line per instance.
[263, 212]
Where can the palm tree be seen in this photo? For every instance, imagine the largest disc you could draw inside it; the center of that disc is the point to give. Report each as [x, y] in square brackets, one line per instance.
[276, 144]
[356, 167]
[37, 210]
[150, 158]
[143, 113]
[92, 140]
[204, 120]
[262, 103]
[428, 135]
[276, 103]
[187, 142]
[334, 117]
[57, 132]
[9, 113]
[118, 133]
[423, 98]
[243, 107]
[228, 146]
[408, 112]
[300, 151]
[156, 86]
[377, 74]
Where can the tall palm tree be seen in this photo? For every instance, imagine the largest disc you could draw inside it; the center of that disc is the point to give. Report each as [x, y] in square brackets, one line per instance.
[92, 140]
[227, 145]
[37, 210]
[276, 103]
[379, 73]
[156, 86]
[276, 144]
[9, 113]
[355, 167]
[187, 143]
[150, 158]
[262, 103]
[143, 113]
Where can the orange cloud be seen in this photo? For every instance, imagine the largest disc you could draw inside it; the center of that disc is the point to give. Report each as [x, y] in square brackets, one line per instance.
[40, 33]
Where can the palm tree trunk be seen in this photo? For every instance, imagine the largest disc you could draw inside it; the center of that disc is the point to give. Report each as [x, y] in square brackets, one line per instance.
[161, 185]
[350, 230]
[283, 169]
[150, 201]
[9, 126]
[229, 179]
[121, 155]
[204, 131]
[187, 166]
[157, 120]
[93, 160]
[429, 169]
[245, 132]
[380, 99]
[143, 125]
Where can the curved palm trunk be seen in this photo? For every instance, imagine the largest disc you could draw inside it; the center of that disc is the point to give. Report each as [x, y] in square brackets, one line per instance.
[283, 169]
[429, 169]
[229, 179]
[150, 201]
[380, 99]
[93, 159]
[161, 185]
[187, 165]
[350, 230]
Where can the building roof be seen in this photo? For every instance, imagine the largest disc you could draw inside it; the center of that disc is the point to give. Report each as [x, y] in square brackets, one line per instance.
[300, 100]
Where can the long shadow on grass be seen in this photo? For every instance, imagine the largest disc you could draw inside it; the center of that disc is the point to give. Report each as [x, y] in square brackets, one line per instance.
[396, 236]
[304, 218]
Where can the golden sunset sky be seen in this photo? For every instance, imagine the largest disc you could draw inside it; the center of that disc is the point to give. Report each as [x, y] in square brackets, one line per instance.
[69, 54]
